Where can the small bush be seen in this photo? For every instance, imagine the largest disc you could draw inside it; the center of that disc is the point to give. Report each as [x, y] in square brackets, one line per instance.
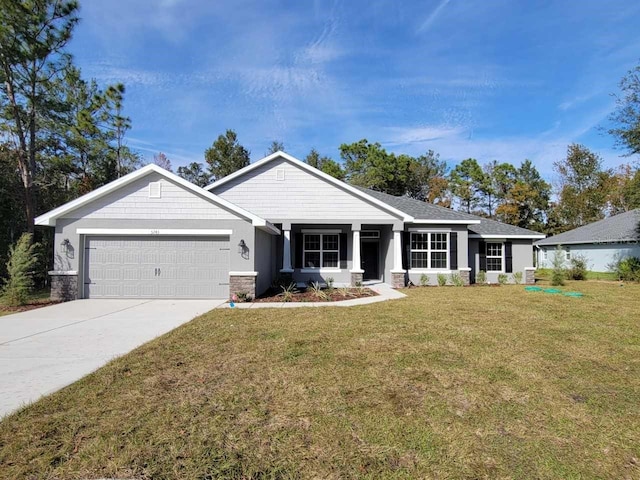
[456, 279]
[481, 277]
[330, 283]
[242, 297]
[578, 268]
[627, 269]
[316, 289]
[442, 279]
[558, 271]
[19, 283]
[503, 279]
[288, 291]
[424, 280]
[517, 278]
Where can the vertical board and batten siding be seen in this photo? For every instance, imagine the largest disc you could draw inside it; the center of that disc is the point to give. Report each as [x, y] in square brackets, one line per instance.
[133, 202]
[156, 267]
[300, 195]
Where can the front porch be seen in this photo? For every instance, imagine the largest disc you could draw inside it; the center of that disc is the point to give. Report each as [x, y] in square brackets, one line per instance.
[341, 254]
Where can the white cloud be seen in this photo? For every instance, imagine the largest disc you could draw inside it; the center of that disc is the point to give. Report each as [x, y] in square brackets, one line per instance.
[429, 21]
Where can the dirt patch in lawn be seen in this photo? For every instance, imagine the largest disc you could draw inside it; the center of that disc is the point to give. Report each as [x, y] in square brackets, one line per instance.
[6, 310]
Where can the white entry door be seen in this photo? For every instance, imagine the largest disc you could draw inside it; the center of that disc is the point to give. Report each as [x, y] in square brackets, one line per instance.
[156, 267]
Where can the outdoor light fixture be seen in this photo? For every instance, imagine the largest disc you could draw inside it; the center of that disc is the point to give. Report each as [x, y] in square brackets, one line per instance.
[65, 244]
[242, 246]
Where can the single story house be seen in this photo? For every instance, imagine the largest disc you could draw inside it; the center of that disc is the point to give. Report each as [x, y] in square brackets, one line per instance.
[601, 243]
[153, 234]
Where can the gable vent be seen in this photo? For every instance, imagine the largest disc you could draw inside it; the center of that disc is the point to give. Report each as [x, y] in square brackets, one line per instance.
[280, 174]
[155, 190]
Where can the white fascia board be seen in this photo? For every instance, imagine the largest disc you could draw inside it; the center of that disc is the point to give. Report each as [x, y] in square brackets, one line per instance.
[49, 218]
[499, 237]
[270, 229]
[313, 171]
[155, 231]
[445, 222]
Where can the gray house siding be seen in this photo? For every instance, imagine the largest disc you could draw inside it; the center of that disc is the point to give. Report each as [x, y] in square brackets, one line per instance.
[599, 256]
[522, 257]
[280, 190]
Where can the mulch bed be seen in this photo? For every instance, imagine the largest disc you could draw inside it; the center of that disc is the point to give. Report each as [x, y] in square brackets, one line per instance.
[29, 306]
[335, 295]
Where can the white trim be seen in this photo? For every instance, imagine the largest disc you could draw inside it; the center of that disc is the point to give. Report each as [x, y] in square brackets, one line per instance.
[154, 231]
[464, 269]
[500, 237]
[502, 256]
[446, 222]
[63, 272]
[286, 270]
[429, 230]
[243, 274]
[427, 270]
[316, 172]
[49, 218]
[429, 250]
[530, 268]
[319, 230]
[320, 251]
[320, 270]
[356, 270]
[398, 271]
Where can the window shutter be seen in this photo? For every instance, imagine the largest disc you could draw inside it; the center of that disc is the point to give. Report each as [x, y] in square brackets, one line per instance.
[298, 248]
[406, 249]
[343, 251]
[453, 250]
[508, 257]
[483, 256]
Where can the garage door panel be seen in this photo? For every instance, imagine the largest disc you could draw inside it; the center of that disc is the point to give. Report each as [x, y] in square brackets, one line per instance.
[152, 267]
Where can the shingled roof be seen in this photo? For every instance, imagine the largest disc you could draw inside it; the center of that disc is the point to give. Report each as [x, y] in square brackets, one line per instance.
[427, 211]
[619, 228]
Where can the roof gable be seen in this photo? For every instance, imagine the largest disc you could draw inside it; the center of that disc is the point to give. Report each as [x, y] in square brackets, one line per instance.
[76, 206]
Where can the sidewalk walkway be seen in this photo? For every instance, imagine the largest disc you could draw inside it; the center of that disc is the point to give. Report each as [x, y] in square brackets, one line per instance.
[384, 291]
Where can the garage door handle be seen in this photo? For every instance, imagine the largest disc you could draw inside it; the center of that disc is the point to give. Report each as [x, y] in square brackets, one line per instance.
[155, 272]
[159, 272]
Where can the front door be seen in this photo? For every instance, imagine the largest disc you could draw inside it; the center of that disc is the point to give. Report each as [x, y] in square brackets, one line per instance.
[370, 260]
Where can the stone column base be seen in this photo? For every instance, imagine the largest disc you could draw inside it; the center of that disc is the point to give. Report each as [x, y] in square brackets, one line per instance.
[356, 279]
[242, 285]
[529, 276]
[64, 286]
[465, 275]
[398, 280]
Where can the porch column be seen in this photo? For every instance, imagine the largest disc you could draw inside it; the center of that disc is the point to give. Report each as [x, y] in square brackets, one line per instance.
[286, 251]
[398, 273]
[356, 270]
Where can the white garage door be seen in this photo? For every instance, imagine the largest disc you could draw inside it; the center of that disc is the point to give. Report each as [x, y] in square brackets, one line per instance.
[156, 267]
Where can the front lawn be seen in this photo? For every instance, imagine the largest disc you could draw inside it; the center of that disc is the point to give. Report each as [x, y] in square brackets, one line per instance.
[447, 383]
[36, 300]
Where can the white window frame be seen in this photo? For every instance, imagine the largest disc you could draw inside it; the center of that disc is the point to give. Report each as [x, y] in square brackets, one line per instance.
[429, 250]
[501, 256]
[321, 251]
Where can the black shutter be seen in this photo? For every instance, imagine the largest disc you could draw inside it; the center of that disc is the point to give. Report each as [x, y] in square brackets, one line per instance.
[406, 250]
[298, 247]
[508, 257]
[483, 256]
[343, 251]
[453, 250]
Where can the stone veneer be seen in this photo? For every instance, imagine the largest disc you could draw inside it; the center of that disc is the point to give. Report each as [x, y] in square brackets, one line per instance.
[356, 279]
[529, 276]
[465, 275]
[242, 284]
[398, 280]
[64, 286]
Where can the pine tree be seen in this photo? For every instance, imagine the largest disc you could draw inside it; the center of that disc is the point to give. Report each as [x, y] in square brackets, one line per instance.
[22, 260]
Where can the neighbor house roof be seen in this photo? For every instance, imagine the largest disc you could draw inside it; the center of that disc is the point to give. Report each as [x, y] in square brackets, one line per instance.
[50, 217]
[479, 227]
[619, 228]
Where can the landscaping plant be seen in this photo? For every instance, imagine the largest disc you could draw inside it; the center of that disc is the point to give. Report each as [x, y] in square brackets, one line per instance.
[19, 283]
[424, 280]
[442, 279]
[503, 279]
[456, 280]
[517, 278]
[558, 271]
[481, 277]
[627, 269]
[578, 268]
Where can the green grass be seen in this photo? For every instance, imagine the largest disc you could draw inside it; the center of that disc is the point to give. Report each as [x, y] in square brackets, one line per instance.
[545, 274]
[447, 383]
[37, 298]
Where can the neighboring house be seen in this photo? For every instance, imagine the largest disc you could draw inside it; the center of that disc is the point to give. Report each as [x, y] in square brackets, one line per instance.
[600, 243]
[152, 234]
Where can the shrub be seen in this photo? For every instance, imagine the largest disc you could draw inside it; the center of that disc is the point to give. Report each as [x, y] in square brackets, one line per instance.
[424, 280]
[481, 277]
[517, 278]
[503, 279]
[627, 269]
[316, 289]
[288, 291]
[330, 283]
[558, 271]
[442, 279]
[456, 279]
[19, 283]
[578, 268]
[243, 297]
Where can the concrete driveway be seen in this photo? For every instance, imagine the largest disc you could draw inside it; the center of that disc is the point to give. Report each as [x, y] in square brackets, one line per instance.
[48, 348]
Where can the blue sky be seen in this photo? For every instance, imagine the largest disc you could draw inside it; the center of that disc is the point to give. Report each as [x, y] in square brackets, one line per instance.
[504, 80]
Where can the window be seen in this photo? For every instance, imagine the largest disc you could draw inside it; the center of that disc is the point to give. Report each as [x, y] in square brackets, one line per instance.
[429, 250]
[568, 254]
[494, 257]
[321, 250]
[544, 254]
